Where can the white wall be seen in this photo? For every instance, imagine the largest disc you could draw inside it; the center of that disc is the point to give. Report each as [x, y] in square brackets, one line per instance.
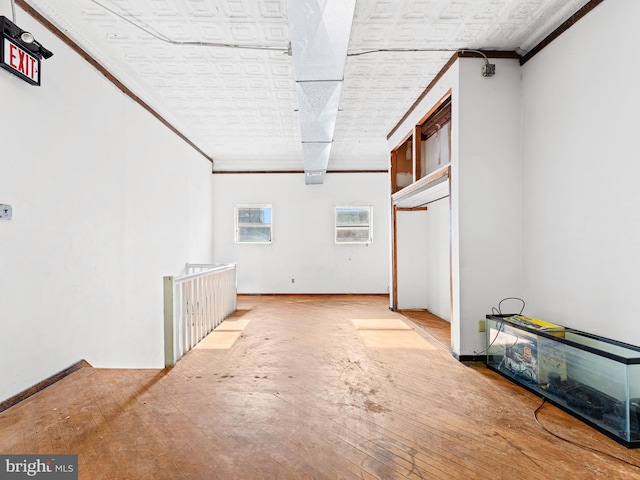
[412, 255]
[581, 232]
[486, 197]
[423, 259]
[106, 200]
[303, 245]
[436, 245]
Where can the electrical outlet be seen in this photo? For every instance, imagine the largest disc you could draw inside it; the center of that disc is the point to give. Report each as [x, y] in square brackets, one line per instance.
[6, 212]
[482, 325]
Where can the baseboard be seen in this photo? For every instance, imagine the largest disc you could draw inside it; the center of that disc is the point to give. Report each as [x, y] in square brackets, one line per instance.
[10, 402]
[311, 294]
[470, 358]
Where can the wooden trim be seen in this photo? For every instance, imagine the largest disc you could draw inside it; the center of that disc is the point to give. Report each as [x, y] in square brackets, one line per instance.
[416, 154]
[572, 20]
[411, 209]
[444, 99]
[451, 316]
[394, 169]
[463, 53]
[10, 402]
[298, 172]
[433, 82]
[420, 184]
[394, 256]
[86, 56]
[403, 140]
[441, 115]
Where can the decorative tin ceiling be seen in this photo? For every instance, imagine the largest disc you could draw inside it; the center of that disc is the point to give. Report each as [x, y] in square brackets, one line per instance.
[241, 105]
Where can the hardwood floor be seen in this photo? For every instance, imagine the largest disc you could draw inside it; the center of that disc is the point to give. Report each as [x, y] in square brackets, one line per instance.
[309, 387]
[432, 324]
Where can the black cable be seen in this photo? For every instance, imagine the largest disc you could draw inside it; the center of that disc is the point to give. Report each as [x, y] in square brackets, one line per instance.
[159, 36]
[380, 50]
[586, 447]
[498, 311]
[511, 298]
[492, 341]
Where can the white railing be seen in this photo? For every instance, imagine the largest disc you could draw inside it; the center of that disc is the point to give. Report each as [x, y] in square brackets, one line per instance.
[195, 304]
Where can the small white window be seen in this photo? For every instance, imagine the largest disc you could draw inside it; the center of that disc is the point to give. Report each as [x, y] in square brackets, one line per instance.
[253, 224]
[354, 224]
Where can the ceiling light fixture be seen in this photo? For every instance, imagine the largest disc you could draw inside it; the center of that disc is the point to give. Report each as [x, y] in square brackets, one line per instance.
[26, 37]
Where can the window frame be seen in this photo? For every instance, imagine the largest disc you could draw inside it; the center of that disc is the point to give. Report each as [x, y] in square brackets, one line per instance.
[238, 224]
[338, 227]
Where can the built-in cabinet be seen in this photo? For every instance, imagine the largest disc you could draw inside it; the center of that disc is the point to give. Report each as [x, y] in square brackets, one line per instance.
[460, 144]
[419, 178]
[425, 150]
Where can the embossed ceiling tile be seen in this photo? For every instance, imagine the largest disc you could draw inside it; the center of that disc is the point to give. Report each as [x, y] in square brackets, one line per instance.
[247, 33]
[200, 68]
[469, 32]
[172, 29]
[365, 35]
[422, 11]
[93, 13]
[216, 95]
[489, 10]
[259, 87]
[162, 8]
[206, 30]
[132, 53]
[226, 68]
[282, 68]
[201, 8]
[254, 69]
[275, 35]
[273, 9]
[154, 51]
[524, 10]
[161, 82]
[454, 10]
[284, 95]
[234, 9]
[379, 10]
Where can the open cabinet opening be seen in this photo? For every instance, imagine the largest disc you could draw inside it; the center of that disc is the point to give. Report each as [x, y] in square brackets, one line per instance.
[421, 222]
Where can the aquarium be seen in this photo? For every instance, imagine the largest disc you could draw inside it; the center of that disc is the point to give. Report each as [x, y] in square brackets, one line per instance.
[595, 379]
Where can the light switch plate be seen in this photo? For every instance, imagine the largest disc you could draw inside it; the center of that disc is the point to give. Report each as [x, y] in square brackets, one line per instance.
[6, 212]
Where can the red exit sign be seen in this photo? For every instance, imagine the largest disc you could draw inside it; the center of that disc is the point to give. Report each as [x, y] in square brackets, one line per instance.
[19, 62]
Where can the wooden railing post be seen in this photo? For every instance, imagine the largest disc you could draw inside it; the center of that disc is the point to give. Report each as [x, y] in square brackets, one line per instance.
[169, 329]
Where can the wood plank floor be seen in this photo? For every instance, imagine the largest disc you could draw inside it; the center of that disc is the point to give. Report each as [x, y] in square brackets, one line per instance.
[313, 387]
[432, 324]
